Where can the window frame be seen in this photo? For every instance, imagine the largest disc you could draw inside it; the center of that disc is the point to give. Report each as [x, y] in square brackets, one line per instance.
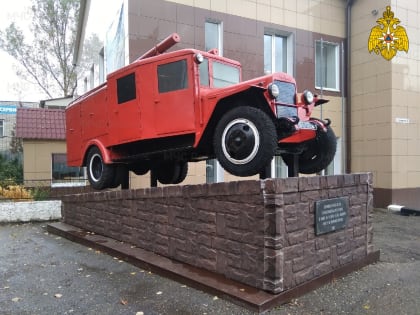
[288, 54]
[279, 169]
[2, 128]
[336, 46]
[219, 34]
[101, 66]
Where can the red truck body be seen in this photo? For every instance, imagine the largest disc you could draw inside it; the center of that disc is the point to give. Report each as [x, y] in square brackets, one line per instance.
[167, 109]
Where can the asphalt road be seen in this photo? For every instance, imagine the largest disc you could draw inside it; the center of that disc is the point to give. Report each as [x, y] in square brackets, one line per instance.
[41, 273]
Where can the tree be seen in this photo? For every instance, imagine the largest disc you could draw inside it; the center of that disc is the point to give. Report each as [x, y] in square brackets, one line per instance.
[91, 48]
[16, 145]
[90, 56]
[11, 171]
[47, 59]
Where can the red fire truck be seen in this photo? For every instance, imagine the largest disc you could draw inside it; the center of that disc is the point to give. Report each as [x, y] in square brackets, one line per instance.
[169, 108]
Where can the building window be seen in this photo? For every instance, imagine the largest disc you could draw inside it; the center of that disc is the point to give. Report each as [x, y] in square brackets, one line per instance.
[92, 77]
[213, 36]
[275, 53]
[278, 54]
[85, 84]
[63, 175]
[326, 65]
[115, 41]
[213, 39]
[101, 66]
[1, 128]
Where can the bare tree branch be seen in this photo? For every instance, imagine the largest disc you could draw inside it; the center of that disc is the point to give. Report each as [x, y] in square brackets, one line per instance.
[47, 60]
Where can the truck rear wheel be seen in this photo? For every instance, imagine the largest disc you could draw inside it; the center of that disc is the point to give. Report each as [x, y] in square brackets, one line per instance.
[121, 173]
[100, 175]
[245, 141]
[319, 153]
[140, 167]
[171, 172]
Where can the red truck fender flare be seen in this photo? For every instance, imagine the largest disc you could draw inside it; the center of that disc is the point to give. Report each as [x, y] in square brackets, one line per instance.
[106, 156]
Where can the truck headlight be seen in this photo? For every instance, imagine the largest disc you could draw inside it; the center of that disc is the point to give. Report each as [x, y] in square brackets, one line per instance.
[199, 58]
[308, 97]
[273, 90]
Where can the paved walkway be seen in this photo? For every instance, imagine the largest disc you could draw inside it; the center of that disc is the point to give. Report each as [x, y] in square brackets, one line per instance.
[41, 273]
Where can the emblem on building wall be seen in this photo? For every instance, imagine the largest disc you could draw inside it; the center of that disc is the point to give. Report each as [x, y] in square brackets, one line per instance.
[388, 37]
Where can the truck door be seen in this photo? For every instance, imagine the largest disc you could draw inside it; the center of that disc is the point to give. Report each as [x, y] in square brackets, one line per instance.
[174, 98]
[74, 135]
[124, 110]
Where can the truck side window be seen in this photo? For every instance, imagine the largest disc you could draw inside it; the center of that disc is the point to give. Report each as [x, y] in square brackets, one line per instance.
[172, 76]
[126, 88]
[224, 75]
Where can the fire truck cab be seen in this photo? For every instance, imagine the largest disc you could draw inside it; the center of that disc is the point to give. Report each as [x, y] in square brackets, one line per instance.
[167, 109]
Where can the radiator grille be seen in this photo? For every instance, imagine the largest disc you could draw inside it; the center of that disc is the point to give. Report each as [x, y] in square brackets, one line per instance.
[286, 97]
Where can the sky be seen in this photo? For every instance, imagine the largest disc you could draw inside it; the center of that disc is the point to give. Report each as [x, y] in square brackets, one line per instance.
[13, 88]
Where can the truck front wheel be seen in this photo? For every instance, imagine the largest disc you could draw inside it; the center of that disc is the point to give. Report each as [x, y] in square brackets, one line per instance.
[245, 141]
[319, 153]
[100, 175]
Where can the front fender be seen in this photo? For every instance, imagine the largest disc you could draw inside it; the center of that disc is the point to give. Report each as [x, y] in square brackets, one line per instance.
[215, 105]
[106, 154]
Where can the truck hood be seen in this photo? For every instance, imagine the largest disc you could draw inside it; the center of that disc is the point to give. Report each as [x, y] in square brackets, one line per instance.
[260, 83]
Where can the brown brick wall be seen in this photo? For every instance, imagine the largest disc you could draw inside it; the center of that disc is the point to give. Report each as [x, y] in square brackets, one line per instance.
[260, 233]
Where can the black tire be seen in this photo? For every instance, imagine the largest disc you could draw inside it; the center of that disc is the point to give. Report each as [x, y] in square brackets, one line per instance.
[171, 172]
[140, 167]
[245, 141]
[183, 171]
[121, 173]
[318, 155]
[100, 175]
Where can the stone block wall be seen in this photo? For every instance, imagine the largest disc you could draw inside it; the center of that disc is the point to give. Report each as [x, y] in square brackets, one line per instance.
[260, 233]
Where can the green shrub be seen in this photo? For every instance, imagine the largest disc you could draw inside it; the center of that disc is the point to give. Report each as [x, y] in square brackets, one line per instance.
[40, 193]
[11, 171]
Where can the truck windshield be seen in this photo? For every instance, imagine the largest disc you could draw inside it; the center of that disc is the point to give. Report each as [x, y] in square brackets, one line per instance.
[223, 74]
[204, 72]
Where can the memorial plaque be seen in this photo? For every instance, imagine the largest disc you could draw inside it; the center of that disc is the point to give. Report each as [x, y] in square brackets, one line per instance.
[331, 215]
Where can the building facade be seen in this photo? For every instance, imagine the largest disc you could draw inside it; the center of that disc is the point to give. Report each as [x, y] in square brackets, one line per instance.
[8, 111]
[42, 131]
[323, 44]
[384, 117]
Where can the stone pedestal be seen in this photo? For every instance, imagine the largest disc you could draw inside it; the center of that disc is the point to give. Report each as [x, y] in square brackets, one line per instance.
[260, 233]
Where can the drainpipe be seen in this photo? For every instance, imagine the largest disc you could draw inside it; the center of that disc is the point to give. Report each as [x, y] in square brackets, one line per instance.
[348, 85]
[343, 108]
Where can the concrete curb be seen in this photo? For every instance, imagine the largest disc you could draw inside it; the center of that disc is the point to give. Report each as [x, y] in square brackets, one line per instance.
[404, 210]
[26, 211]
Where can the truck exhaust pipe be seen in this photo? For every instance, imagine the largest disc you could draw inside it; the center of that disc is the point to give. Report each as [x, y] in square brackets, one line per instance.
[163, 46]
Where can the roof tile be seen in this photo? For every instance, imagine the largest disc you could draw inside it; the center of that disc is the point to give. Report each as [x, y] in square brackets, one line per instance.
[41, 123]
